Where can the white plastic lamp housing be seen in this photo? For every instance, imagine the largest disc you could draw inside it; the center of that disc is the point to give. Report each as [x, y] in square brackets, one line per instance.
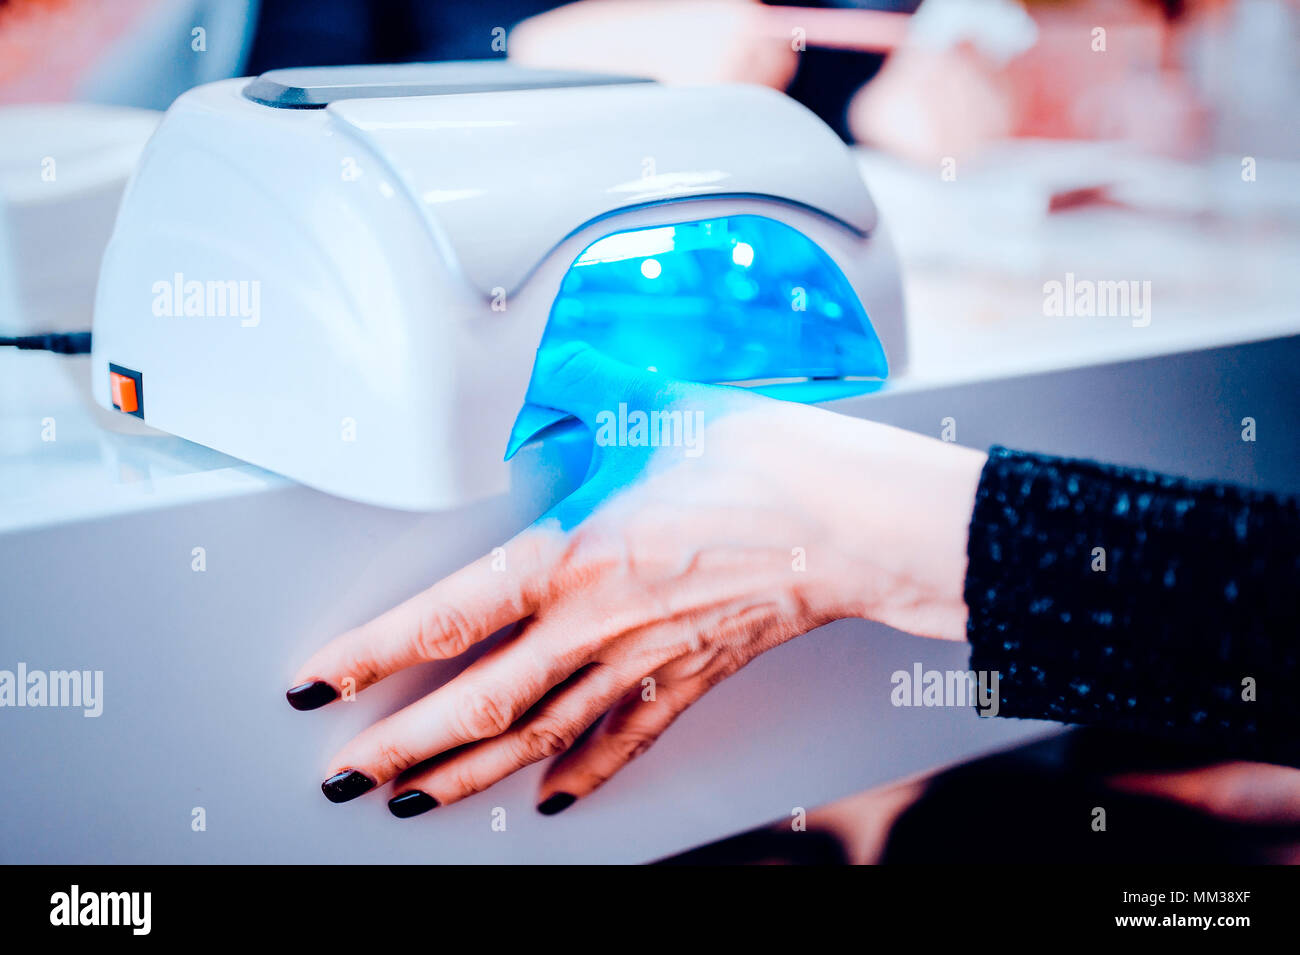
[349, 287]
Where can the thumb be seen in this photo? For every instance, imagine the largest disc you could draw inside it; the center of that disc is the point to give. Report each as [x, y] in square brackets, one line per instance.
[574, 379]
[579, 380]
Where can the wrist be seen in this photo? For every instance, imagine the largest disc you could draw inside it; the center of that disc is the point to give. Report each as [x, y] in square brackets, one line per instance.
[897, 516]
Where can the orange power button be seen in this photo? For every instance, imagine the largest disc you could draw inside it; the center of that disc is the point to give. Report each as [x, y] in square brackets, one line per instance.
[123, 389]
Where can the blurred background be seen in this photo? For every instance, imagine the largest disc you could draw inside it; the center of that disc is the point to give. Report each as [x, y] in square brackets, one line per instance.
[1180, 77]
[1008, 143]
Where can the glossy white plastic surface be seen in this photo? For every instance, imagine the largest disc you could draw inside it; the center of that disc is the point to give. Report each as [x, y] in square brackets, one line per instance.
[506, 177]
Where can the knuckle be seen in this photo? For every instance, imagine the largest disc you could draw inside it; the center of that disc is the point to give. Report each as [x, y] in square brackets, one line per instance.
[458, 783]
[365, 671]
[627, 745]
[575, 368]
[484, 715]
[444, 632]
[543, 739]
[590, 551]
[393, 758]
[722, 665]
[619, 749]
[705, 666]
[591, 778]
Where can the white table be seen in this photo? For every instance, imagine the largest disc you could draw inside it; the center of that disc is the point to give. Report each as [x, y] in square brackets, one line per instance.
[97, 530]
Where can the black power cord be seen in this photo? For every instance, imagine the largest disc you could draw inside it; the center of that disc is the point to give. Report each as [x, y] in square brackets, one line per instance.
[66, 343]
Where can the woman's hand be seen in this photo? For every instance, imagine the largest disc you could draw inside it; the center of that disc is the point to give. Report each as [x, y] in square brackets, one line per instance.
[670, 568]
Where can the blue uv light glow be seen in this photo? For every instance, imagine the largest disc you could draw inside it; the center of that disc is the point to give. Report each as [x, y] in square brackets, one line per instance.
[736, 299]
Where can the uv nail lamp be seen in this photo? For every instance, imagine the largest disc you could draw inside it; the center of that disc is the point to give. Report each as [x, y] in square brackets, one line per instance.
[345, 274]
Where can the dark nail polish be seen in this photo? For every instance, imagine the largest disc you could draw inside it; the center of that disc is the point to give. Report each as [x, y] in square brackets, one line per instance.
[346, 785]
[558, 802]
[311, 696]
[411, 804]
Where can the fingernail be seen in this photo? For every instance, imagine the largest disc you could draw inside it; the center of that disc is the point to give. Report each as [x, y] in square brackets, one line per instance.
[556, 803]
[311, 696]
[346, 785]
[411, 804]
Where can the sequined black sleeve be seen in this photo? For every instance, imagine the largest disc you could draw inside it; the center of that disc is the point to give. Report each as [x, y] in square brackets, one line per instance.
[1123, 598]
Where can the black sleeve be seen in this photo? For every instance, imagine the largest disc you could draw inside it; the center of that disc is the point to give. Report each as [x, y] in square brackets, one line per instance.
[1127, 599]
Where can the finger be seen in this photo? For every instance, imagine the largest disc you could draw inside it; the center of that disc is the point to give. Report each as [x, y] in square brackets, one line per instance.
[551, 727]
[442, 622]
[575, 379]
[483, 701]
[578, 379]
[626, 732]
